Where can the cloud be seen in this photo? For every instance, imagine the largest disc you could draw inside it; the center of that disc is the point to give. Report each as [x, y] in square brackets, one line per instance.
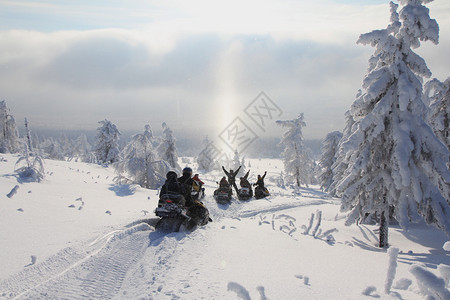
[194, 77]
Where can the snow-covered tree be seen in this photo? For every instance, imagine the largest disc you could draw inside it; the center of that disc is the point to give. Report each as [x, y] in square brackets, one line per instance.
[437, 95]
[297, 163]
[107, 147]
[167, 149]
[67, 146]
[140, 164]
[394, 164]
[327, 160]
[52, 149]
[207, 159]
[9, 135]
[82, 150]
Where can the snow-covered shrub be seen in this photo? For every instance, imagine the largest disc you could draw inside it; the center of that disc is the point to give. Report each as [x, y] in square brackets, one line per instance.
[30, 168]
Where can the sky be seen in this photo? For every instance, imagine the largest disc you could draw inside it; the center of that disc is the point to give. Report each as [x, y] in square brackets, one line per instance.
[197, 65]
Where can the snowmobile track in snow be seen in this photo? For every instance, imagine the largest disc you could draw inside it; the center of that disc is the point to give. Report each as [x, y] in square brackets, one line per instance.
[69, 274]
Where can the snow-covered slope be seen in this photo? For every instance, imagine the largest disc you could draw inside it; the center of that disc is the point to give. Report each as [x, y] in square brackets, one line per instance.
[78, 236]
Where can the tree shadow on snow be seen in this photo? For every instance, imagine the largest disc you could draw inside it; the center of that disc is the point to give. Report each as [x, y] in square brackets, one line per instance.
[431, 260]
[123, 190]
[424, 235]
[366, 246]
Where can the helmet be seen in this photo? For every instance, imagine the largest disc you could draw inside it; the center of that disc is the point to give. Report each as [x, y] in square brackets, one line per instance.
[187, 170]
[171, 175]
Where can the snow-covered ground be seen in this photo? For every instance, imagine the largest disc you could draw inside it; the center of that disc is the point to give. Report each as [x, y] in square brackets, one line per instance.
[76, 235]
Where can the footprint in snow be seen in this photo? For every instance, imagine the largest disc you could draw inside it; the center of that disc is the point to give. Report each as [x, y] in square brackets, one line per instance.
[72, 206]
[371, 291]
[305, 279]
[108, 212]
[20, 209]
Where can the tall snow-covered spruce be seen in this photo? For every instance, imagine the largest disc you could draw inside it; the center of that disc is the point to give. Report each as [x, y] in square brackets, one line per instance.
[107, 147]
[395, 165]
[297, 163]
[327, 160]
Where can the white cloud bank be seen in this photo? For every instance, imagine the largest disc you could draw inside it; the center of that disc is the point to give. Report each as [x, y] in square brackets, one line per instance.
[195, 66]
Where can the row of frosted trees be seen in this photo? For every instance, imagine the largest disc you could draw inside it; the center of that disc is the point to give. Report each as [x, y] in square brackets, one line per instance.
[144, 160]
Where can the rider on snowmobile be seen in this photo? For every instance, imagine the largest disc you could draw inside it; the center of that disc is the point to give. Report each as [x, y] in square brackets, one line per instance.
[186, 181]
[260, 182]
[172, 187]
[232, 177]
[197, 210]
[245, 183]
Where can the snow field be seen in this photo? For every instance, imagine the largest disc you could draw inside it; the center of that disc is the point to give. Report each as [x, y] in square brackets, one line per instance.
[256, 249]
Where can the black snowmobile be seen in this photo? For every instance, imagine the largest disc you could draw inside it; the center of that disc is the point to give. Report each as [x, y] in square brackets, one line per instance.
[172, 212]
[244, 193]
[223, 195]
[261, 192]
[175, 216]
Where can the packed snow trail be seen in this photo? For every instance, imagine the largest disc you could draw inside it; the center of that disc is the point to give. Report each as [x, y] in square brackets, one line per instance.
[73, 274]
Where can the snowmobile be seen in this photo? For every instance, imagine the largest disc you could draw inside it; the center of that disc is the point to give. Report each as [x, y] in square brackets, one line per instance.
[244, 193]
[172, 212]
[175, 216]
[261, 192]
[223, 195]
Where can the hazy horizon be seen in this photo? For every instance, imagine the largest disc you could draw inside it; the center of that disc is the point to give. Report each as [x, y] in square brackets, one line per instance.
[195, 65]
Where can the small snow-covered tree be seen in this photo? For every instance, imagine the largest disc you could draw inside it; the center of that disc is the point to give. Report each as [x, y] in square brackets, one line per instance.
[107, 147]
[207, 159]
[82, 150]
[393, 162]
[9, 135]
[67, 146]
[140, 164]
[327, 160]
[437, 95]
[52, 149]
[167, 149]
[297, 163]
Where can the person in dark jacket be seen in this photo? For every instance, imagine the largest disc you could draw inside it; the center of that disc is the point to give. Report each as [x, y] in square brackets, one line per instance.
[186, 181]
[260, 182]
[232, 177]
[172, 187]
[245, 183]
